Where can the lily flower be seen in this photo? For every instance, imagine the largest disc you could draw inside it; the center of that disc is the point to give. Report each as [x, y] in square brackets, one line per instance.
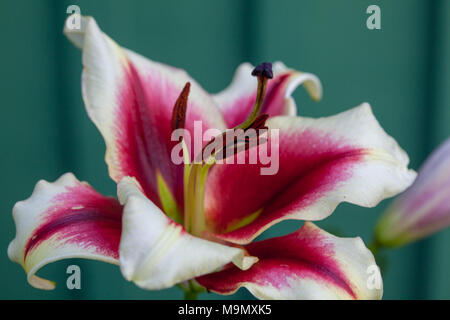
[178, 222]
[424, 208]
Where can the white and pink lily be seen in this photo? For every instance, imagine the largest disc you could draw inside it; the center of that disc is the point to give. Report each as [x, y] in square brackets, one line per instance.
[173, 223]
[424, 208]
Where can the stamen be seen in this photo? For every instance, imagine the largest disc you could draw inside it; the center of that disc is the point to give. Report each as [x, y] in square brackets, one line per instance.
[195, 174]
[178, 122]
[222, 142]
[194, 215]
[255, 121]
[179, 110]
[247, 138]
[198, 213]
[259, 122]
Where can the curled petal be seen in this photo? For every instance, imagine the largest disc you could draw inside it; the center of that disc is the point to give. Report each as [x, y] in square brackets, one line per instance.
[156, 252]
[316, 164]
[61, 220]
[424, 208]
[307, 264]
[236, 101]
[131, 99]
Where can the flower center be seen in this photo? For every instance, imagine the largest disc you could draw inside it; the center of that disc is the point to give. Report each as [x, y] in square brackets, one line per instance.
[196, 173]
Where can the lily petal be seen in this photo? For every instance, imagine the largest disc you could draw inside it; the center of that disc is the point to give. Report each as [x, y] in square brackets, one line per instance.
[236, 101]
[130, 99]
[424, 208]
[157, 253]
[307, 264]
[61, 220]
[322, 162]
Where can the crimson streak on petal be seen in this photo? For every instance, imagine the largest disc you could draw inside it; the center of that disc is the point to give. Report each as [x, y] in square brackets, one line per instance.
[143, 131]
[283, 261]
[82, 216]
[311, 163]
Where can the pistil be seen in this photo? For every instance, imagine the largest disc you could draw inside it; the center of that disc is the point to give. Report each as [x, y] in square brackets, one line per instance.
[263, 72]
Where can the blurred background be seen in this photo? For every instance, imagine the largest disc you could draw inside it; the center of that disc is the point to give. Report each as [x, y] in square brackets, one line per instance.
[402, 70]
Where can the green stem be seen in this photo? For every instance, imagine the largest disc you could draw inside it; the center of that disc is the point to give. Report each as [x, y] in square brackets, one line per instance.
[190, 295]
[375, 247]
[191, 289]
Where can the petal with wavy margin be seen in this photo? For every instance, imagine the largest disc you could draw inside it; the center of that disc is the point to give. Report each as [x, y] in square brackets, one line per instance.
[130, 99]
[307, 264]
[61, 220]
[322, 162]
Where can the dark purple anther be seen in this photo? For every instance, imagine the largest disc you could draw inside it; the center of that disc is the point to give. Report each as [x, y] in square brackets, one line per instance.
[263, 70]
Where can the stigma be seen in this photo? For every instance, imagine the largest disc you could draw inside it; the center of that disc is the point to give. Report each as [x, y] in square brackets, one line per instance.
[263, 70]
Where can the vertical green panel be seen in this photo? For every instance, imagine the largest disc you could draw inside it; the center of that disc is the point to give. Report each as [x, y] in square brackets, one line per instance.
[29, 136]
[383, 67]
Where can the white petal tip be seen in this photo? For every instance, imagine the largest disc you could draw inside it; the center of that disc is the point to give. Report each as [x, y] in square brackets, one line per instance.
[40, 283]
[75, 28]
[246, 262]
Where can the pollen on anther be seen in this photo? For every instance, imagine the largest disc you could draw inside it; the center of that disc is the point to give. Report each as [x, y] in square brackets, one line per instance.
[179, 110]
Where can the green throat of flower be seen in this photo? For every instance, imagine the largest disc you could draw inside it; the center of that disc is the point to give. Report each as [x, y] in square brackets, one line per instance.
[196, 173]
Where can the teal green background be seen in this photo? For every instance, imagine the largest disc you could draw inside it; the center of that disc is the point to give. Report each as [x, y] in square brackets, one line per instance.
[402, 70]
